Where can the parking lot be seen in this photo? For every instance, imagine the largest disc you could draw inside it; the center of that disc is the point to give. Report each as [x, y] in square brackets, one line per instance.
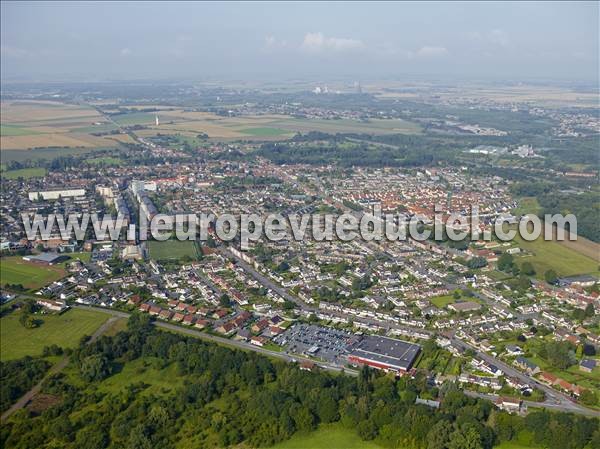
[324, 343]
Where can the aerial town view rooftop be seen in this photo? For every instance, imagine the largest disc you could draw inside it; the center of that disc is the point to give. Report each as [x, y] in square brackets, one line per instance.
[300, 225]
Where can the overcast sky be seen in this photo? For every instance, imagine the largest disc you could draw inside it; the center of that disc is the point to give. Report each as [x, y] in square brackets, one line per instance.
[299, 40]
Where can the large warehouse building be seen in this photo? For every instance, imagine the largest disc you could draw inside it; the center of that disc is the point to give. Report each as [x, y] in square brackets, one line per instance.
[384, 353]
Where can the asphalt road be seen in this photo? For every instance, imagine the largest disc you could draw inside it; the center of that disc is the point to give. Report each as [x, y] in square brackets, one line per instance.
[228, 342]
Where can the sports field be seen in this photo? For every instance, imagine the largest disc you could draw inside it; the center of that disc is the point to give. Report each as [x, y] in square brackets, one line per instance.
[15, 270]
[442, 301]
[171, 249]
[64, 330]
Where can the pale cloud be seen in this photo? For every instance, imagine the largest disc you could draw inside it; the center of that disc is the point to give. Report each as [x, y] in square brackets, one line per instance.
[431, 52]
[14, 52]
[125, 51]
[317, 42]
[498, 37]
[272, 43]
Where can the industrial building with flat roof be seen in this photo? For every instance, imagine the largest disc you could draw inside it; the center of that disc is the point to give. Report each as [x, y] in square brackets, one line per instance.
[46, 258]
[384, 353]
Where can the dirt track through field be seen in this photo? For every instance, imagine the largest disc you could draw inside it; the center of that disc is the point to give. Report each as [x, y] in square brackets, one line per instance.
[27, 397]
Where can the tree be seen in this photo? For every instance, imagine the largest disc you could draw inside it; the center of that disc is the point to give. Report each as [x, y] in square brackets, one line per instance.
[558, 353]
[477, 262]
[465, 439]
[327, 407]
[367, 430]
[95, 367]
[551, 277]
[224, 300]
[439, 435]
[505, 262]
[589, 310]
[302, 417]
[91, 437]
[589, 397]
[527, 268]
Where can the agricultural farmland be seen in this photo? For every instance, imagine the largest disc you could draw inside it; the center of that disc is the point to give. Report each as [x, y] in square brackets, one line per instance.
[260, 127]
[39, 126]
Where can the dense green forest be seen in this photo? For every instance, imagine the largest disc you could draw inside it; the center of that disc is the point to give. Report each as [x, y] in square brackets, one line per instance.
[224, 397]
[18, 376]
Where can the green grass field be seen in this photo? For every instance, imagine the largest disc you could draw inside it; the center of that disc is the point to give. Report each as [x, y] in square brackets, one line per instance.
[13, 130]
[346, 126]
[105, 127]
[84, 257]
[65, 330]
[25, 173]
[15, 270]
[147, 370]
[111, 161]
[171, 249]
[134, 118]
[331, 436]
[552, 255]
[265, 132]
[442, 301]
[527, 205]
[524, 440]
[44, 153]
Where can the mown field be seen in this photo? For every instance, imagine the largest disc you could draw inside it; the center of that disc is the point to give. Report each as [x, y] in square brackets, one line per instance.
[546, 255]
[64, 330]
[442, 301]
[15, 270]
[25, 173]
[171, 249]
